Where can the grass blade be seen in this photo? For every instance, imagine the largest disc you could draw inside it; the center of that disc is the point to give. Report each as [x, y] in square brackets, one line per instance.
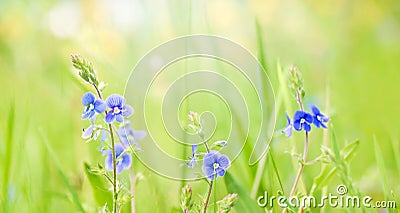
[64, 178]
[100, 187]
[245, 203]
[8, 155]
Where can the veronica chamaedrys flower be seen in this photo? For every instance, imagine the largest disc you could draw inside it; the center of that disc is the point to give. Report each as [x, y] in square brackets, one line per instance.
[129, 136]
[91, 105]
[319, 118]
[289, 127]
[88, 132]
[118, 108]
[193, 159]
[302, 120]
[215, 164]
[124, 160]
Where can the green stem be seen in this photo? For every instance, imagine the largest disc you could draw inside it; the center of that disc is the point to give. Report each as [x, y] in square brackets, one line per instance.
[133, 181]
[208, 196]
[301, 167]
[215, 193]
[115, 194]
[201, 134]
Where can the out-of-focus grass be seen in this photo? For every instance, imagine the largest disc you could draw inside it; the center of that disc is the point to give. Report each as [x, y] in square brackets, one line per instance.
[353, 44]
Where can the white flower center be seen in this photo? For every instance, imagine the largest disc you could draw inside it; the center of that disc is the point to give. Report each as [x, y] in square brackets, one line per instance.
[302, 120]
[216, 165]
[91, 106]
[116, 110]
[319, 118]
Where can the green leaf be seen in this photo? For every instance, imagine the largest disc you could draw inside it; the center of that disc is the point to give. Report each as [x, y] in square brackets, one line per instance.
[100, 187]
[245, 203]
[54, 159]
[335, 147]
[327, 173]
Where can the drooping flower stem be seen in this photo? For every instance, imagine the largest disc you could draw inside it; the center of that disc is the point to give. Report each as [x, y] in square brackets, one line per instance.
[302, 164]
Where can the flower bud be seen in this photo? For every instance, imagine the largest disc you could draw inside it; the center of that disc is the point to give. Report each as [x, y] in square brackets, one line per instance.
[226, 204]
[186, 196]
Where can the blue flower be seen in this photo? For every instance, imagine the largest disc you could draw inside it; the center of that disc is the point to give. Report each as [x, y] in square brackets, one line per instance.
[193, 159]
[289, 127]
[319, 118]
[92, 105]
[215, 164]
[129, 136]
[118, 109]
[302, 120]
[88, 132]
[124, 160]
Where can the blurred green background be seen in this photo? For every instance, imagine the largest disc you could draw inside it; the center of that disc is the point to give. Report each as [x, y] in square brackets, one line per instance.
[348, 52]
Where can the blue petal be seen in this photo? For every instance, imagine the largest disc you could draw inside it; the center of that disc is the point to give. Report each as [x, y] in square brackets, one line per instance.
[288, 131]
[126, 161]
[317, 123]
[323, 126]
[110, 117]
[127, 111]
[139, 134]
[298, 115]
[210, 158]
[88, 132]
[88, 98]
[120, 167]
[115, 100]
[118, 149]
[306, 127]
[90, 114]
[324, 118]
[220, 171]
[99, 106]
[308, 117]
[103, 136]
[108, 162]
[315, 110]
[85, 114]
[192, 163]
[223, 161]
[288, 119]
[194, 148]
[119, 118]
[208, 172]
[297, 125]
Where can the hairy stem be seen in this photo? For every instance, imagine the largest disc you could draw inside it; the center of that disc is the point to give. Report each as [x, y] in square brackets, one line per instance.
[115, 194]
[208, 196]
[211, 182]
[301, 167]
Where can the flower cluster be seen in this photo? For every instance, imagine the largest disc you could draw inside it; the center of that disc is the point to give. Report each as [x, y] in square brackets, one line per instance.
[118, 140]
[214, 163]
[115, 110]
[303, 120]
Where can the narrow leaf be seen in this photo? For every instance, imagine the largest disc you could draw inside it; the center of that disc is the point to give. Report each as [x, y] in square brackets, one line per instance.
[244, 203]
